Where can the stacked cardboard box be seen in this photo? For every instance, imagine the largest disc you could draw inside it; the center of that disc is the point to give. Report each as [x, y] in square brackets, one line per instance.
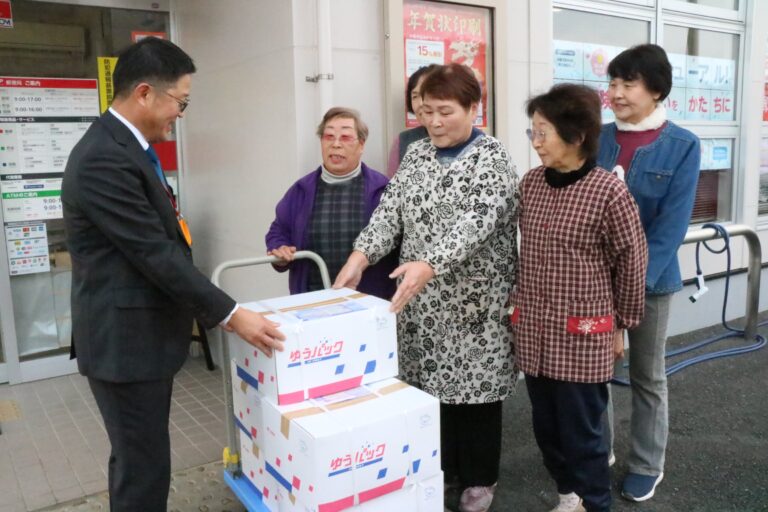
[323, 425]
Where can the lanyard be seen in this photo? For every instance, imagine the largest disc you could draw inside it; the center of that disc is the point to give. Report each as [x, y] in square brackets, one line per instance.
[179, 217]
[169, 192]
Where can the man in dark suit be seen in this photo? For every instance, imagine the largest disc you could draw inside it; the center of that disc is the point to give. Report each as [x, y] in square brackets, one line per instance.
[135, 290]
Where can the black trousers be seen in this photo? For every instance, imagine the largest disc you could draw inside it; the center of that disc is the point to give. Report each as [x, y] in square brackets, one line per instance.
[136, 418]
[568, 426]
[470, 439]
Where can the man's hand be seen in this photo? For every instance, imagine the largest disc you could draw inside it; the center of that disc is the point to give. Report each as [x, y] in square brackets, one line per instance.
[618, 344]
[256, 330]
[285, 253]
[416, 275]
[352, 271]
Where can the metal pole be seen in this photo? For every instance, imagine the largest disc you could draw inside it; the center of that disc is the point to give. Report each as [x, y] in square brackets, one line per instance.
[232, 464]
[753, 272]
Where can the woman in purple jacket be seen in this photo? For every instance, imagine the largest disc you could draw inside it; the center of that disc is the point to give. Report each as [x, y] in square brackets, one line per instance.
[326, 210]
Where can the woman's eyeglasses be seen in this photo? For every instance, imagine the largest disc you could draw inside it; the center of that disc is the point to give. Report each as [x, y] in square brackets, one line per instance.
[344, 139]
[536, 134]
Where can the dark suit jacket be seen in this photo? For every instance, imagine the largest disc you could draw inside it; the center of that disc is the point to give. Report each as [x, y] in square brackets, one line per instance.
[135, 290]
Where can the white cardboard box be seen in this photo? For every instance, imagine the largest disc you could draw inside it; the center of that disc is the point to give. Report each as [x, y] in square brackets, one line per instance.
[336, 340]
[253, 469]
[424, 496]
[359, 444]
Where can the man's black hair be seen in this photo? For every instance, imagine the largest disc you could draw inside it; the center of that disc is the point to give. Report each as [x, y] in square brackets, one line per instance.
[155, 61]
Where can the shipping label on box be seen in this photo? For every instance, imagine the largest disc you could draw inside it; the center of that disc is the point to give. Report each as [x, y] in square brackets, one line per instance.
[335, 340]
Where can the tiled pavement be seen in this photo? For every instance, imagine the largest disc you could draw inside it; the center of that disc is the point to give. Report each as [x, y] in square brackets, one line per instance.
[58, 450]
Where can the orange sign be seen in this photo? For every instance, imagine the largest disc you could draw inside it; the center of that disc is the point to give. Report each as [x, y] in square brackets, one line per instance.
[138, 35]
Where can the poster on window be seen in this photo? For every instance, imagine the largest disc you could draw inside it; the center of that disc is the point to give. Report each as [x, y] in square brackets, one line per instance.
[765, 95]
[675, 104]
[6, 15]
[596, 60]
[41, 119]
[27, 246]
[442, 33]
[569, 60]
[587, 64]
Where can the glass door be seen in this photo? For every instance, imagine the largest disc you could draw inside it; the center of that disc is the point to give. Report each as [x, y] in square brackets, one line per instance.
[50, 92]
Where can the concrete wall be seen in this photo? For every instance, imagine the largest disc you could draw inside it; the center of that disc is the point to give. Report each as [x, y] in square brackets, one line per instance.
[239, 137]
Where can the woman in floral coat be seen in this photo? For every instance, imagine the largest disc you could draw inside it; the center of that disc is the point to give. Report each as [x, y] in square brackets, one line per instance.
[453, 203]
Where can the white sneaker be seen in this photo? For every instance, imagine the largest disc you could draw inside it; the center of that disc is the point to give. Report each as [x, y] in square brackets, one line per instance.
[477, 499]
[611, 459]
[569, 503]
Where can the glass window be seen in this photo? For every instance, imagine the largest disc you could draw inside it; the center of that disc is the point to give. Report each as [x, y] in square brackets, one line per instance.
[721, 4]
[713, 196]
[762, 205]
[582, 54]
[49, 64]
[765, 87]
[704, 70]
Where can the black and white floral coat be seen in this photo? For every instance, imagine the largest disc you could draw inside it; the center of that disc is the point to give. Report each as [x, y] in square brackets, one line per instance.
[454, 337]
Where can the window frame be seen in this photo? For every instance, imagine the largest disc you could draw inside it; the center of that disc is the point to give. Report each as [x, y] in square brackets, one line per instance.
[705, 12]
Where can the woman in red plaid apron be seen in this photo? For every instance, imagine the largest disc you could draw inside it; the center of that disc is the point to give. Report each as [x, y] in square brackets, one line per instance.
[580, 285]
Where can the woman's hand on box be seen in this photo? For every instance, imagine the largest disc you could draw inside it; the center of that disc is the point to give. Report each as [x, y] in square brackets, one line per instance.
[416, 275]
[352, 271]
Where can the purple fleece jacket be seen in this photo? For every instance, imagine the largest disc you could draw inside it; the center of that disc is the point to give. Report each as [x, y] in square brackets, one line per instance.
[290, 228]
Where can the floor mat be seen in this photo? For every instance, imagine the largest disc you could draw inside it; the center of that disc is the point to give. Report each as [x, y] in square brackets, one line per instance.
[9, 410]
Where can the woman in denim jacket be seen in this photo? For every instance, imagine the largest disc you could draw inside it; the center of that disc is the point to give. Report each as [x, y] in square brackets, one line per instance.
[660, 164]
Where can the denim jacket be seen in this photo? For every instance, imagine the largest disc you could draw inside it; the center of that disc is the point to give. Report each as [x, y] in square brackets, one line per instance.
[662, 178]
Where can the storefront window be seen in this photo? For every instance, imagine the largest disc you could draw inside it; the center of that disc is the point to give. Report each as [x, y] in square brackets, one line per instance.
[713, 196]
[582, 54]
[762, 205]
[48, 98]
[704, 70]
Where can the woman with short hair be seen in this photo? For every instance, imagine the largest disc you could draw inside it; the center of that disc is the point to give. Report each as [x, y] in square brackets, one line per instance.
[582, 270]
[325, 210]
[453, 203]
[413, 105]
[660, 162]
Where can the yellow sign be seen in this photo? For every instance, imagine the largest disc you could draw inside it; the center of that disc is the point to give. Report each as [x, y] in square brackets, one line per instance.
[106, 89]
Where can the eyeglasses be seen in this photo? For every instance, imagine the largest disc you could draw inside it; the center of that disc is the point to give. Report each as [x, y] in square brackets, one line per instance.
[343, 139]
[183, 104]
[536, 134]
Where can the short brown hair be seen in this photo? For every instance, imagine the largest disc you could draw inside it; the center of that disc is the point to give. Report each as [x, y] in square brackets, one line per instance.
[574, 111]
[344, 113]
[453, 82]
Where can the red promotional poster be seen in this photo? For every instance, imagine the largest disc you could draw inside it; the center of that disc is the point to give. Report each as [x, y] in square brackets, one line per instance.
[765, 103]
[441, 33]
[6, 18]
[765, 95]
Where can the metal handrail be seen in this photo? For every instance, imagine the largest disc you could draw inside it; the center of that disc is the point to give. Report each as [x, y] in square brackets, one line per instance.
[754, 267]
[231, 458]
